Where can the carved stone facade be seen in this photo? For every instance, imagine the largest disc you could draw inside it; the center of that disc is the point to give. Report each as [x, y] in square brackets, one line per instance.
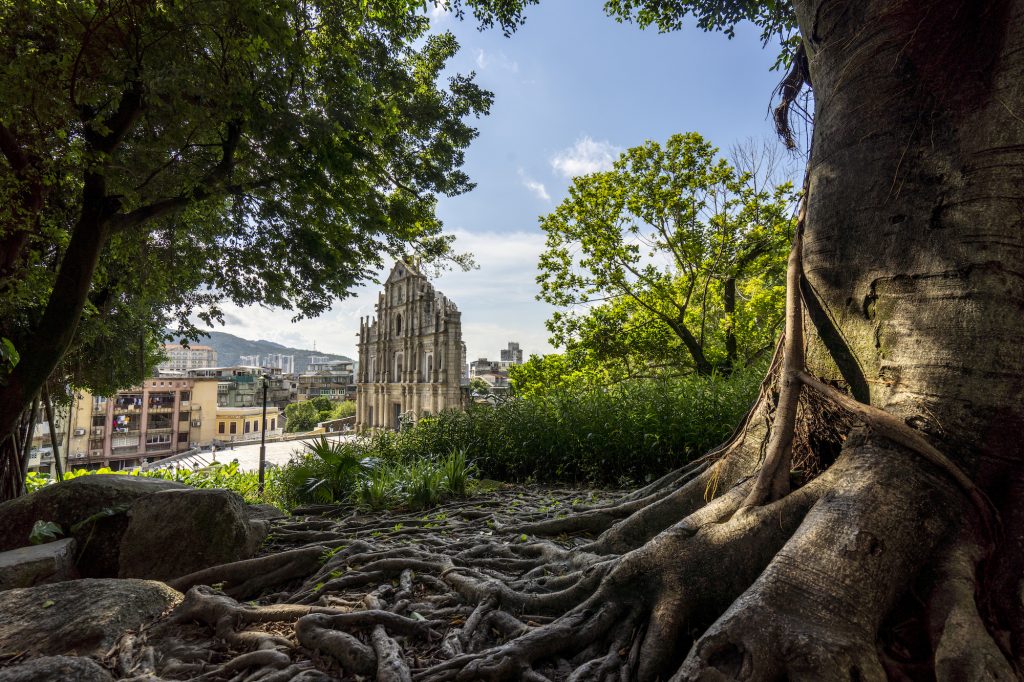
[411, 355]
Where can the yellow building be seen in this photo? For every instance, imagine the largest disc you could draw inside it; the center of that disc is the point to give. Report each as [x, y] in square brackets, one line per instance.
[239, 424]
[163, 416]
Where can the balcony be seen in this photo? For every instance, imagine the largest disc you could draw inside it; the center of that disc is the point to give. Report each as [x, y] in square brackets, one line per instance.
[158, 447]
[157, 409]
[124, 451]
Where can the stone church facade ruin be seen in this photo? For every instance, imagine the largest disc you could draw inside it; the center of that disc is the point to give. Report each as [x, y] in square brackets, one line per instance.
[411, 355]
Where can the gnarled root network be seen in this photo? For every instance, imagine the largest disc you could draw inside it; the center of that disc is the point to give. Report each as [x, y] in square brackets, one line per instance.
[693, 582]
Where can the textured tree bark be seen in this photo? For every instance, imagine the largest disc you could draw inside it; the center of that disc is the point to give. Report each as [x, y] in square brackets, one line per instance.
[53, 335]
[914, 249]
[729, 307]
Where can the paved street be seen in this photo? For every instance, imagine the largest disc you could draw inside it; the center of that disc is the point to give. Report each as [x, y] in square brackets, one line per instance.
[248, 455]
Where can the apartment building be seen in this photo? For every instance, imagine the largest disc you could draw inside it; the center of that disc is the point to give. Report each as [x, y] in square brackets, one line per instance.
[242, 385]
[513, 354]
[333, 379]
[159, 418]
[181, 359]
[240, 424]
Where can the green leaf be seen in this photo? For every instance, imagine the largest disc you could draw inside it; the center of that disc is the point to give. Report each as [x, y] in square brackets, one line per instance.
[45, 531]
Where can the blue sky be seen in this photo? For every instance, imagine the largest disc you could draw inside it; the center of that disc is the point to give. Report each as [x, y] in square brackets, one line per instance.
[572, 89]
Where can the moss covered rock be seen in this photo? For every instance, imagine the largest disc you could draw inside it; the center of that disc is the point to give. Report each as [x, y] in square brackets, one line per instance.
[176, 532]
[94, 506]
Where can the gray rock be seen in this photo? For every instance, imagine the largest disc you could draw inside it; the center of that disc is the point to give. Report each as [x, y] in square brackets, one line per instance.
[74, 501]
[267, 512]
[56, 669]
[38, 564]
[84, 617]
[177, 532]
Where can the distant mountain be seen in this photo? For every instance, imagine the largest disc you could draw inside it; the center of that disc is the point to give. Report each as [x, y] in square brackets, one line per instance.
[230, 347]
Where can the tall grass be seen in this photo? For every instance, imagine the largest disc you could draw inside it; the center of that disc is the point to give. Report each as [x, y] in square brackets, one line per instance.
[625, 434]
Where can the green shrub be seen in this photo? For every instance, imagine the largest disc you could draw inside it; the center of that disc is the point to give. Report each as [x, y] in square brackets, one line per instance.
[218, 475]
[329, 472]
[624, 434]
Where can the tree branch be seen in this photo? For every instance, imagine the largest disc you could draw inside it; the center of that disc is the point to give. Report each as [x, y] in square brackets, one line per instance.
[208, 186]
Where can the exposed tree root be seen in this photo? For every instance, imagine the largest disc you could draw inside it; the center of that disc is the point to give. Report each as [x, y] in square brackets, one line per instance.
[244, 578]
[796, 587]
[964, 650]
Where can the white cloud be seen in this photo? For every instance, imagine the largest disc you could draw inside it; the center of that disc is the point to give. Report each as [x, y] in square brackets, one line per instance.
[497, 301]
[499, 60]
[584, 157]
[439, 11]
[538, 188]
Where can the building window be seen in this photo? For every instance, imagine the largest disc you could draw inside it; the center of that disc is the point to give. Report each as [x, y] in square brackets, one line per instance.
[183, 416]
[256, 425]
[183, 437]
[220, 427]
[234, 427]
[398, 324]
[247, 426]
[273, 424]
[186, 395]
[99, 420]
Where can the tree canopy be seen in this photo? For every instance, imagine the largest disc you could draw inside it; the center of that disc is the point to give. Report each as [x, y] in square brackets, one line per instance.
[162, 157]
[674, 258]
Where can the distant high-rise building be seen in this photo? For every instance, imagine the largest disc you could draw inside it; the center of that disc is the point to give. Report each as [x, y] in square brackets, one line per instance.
[285, 363]
[249, 360]
[512, 354]
[181, 359]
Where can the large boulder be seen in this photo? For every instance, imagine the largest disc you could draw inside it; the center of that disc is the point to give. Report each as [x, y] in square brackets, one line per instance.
[56, 669]
[38, 564]
[103, 497]
[176, 532]
[83, 617]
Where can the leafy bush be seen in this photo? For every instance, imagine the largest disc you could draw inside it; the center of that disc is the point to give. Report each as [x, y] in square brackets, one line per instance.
[218, 475]
[229, 477]
[375, 472]
[626, 433]
[306, 414]
[328, 472]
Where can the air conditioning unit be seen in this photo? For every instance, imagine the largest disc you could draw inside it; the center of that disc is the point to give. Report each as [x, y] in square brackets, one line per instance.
[96, 431]
[79, 432]
[196, 422]
[79, 455]
[95, 453]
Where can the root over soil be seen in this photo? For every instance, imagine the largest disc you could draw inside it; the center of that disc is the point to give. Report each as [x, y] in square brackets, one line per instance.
[516, 585]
